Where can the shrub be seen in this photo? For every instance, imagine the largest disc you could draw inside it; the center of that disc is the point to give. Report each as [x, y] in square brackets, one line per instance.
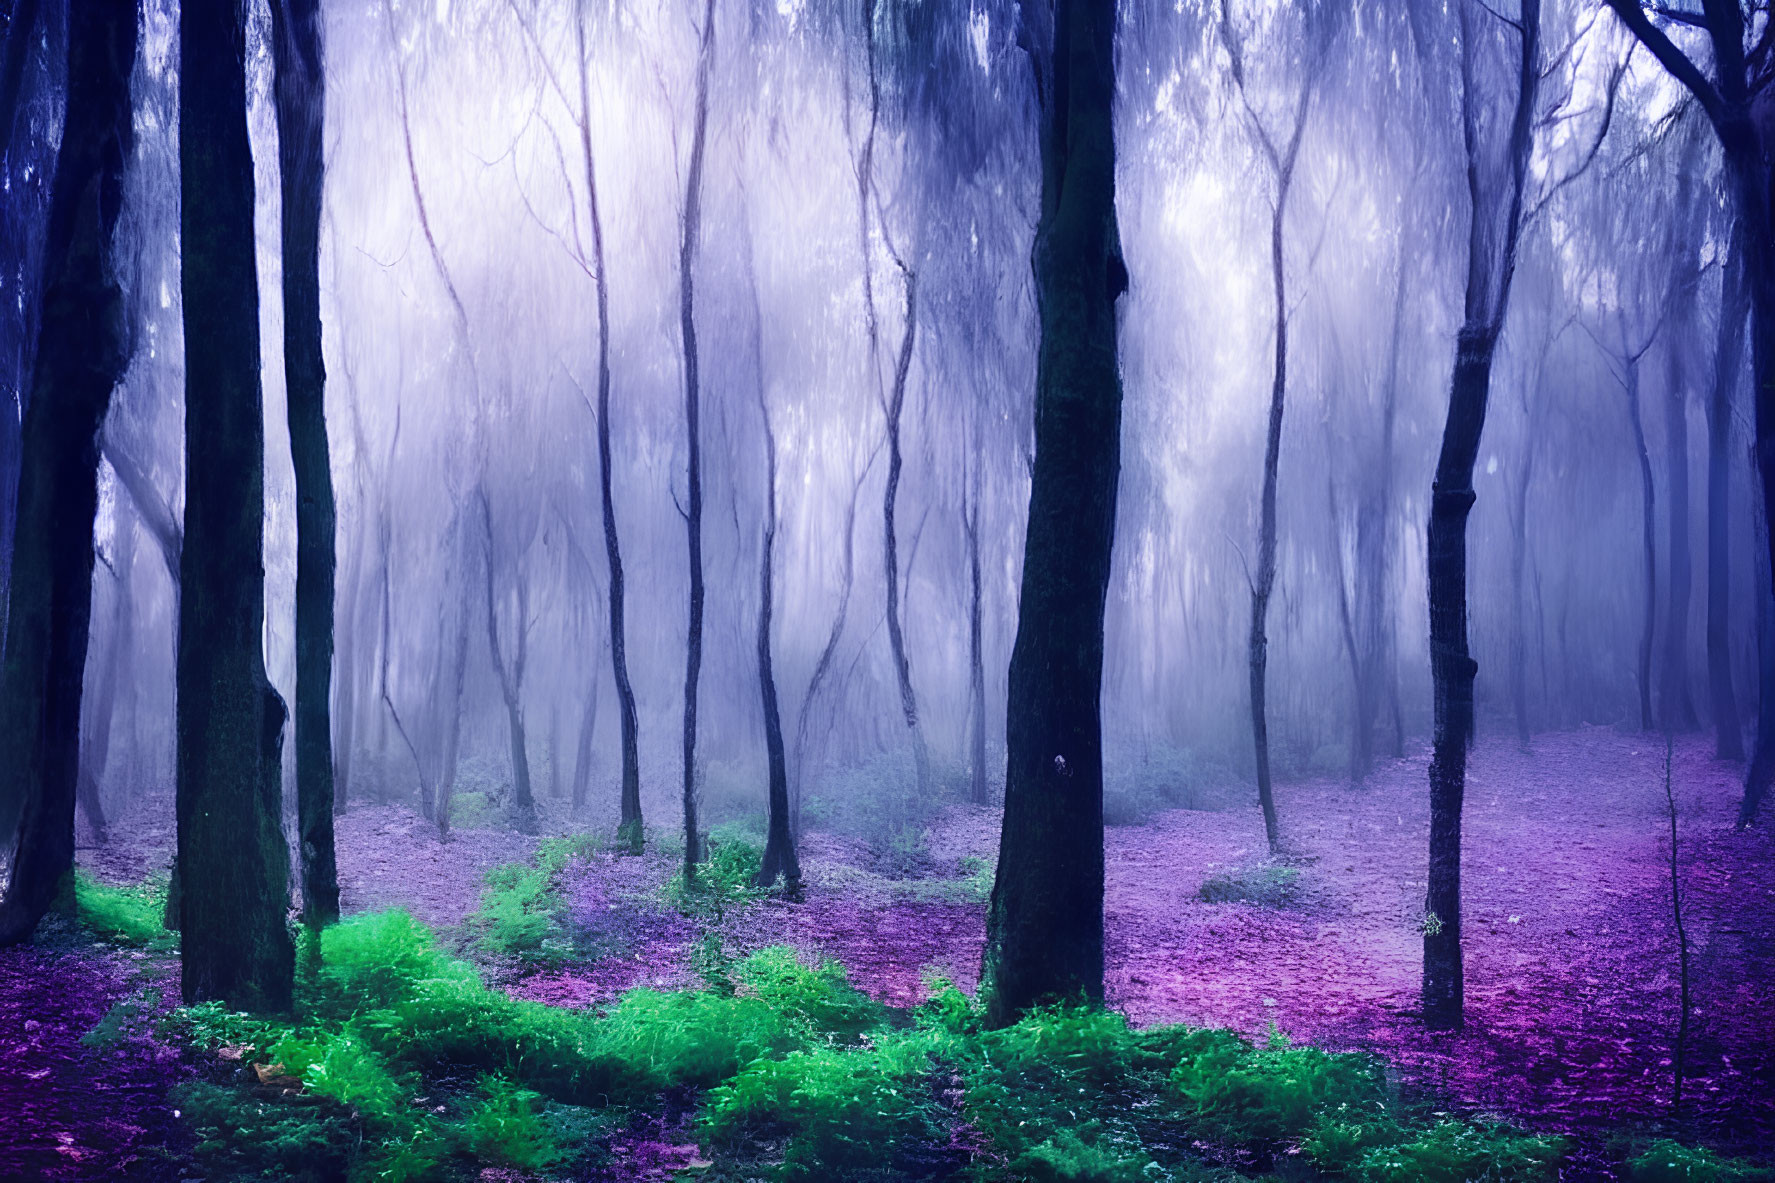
[505, 1126]
[1068, 1158]
[240, 1135]
[1344, 1134]
[522, 912]
[817, 999]
[1164, 778]
[1253, 1096]
[124, 915]
[1456, 1152]
[843, 1109]
[340, 1066]
[1267, 886]
[724, 880]
[1670, 1162]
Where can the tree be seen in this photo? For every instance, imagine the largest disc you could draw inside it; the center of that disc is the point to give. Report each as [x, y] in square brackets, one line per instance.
[1497, 170]
[300, 91]
[233, 861]
[510, 659]
[1728, 349]
[1281, 160]
[82, 351]
[1741, 85]
[1044, 934]
[779, 847]
[690, 230]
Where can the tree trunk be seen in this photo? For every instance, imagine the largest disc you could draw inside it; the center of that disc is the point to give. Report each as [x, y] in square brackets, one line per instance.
[234, 864]
[114, 668]
[82, 350]
[1648, 543]
[1734, 306]
[300, 92]
[893, 409]
[779, 847]
[630, 833]
[1518, 592]
[1044, 936]
[1675, 703]
[509, 666]
[452, 705]
[693, 514]
[1493, 235]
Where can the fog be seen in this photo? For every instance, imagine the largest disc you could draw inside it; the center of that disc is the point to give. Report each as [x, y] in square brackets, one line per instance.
[462, 339]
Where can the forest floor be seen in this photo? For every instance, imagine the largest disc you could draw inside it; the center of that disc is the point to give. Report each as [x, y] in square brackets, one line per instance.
[1571, 953]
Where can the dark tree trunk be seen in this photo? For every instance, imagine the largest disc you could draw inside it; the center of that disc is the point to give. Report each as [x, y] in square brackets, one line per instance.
[82, 350]
[1734, 305]
[451, 708]
[630, 833]
[300, 92]
[1648, 544]
[779, 847]
[1044, 935]
[693, 513]
[234, 864]
[1675, 703]
[1493, 235]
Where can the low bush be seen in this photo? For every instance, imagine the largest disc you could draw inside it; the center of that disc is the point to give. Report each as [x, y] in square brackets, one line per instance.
[1267, 886]
[724, 879]
[1459, 1152]
[1671, 1162]
[523, 913]
[1253, 1096]
[505, 1127]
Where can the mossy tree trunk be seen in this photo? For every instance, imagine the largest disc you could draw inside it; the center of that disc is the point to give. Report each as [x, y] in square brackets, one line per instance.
[1044, 937]
[235, 943]
[82, 350]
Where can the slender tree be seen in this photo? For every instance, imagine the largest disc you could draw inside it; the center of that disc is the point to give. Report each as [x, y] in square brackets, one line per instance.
[690, 232]
[82, 351]
[1044, 932]
[300, 91]
[1676, 706]
[1496, 175]
[233, 861]
[1281, 160]
[1728, 350]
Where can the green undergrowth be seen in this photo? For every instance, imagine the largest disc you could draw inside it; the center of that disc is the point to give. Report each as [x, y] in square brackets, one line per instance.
[725, 879]
[523, 913]
[124, 915]
[404, 1065]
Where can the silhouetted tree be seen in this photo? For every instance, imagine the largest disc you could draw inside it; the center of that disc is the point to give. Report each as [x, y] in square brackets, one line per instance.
[300, 91]
[233, 861]
[1497, 152]
[1728, 350]
[1044, 932]
[82, 350]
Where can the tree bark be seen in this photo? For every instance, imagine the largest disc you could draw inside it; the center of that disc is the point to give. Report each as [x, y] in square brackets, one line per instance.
[233, 861]
[1493, 235]
[1044, 936]
[693, 513]
[1734, 306]
[300, 92]
[779, 847]
[82, 350]
[509, 666]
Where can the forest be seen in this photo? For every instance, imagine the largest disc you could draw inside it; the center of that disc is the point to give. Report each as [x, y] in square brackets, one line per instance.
[843, 590]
